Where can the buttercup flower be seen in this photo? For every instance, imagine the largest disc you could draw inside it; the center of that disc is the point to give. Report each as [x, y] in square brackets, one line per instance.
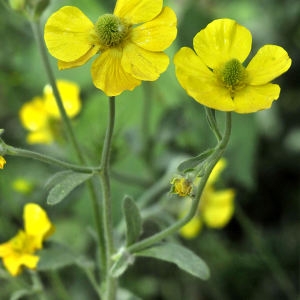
[2, 162]
[20, 250]
[41, 116]
[130, 42]
[216, 206]
[214, 75]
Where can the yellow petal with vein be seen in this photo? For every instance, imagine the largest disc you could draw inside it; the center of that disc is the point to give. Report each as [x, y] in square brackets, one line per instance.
[158, 34]
[109, 75]
[138, 11]
[144, 64]
[67, 34]
[270, 62]
[255, 98]
[221, 41]
[199, 82]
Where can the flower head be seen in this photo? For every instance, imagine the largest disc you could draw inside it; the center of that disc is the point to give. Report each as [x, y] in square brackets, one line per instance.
[41, 115]
[181, 186]
[20, 250]
[216, 206]
[130, 42]
[2, 162]
[214, 75]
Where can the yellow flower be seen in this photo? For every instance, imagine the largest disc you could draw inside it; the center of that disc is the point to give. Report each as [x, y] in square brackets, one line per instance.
[41, 115]
[216, 206]
[20, 250]
[22, 186]
[214, 74]
[130, 42]
[181, 186]
[2, 162]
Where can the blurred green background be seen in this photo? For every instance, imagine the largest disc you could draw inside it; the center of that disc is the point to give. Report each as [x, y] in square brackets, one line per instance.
[257, 255]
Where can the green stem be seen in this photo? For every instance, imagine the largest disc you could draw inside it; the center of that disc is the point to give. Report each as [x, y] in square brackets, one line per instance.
[58, 286]
[38, 285]
[210, 114]
[69, 131]
[10, 150]
[145, 124]
[177, 225]
[110, 282]
[65, 119]
[265, 254]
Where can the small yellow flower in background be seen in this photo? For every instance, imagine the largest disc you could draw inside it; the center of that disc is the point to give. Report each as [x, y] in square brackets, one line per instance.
[216, 206]
[20, 250]
[22, 186]
[130, 42]
[2, 162]
[40, 116]
[214, 74]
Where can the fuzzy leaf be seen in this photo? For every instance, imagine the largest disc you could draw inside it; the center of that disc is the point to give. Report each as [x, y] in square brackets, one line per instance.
[184, 258]
[56, 256]
[193, 162]
[20, 294]
[120, 266]
[133, 220]
[68, 183]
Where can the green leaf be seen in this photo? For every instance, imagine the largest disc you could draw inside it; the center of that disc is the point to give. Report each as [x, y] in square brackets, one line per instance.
[20, 294]
[193, 162]
[68, 183]
[184, 258]
[57, 178]
[124, 259]
[56, 256]
[133, 220]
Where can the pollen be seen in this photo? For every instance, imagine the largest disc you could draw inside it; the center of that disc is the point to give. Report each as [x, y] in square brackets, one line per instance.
[111, 30]
[233, 74]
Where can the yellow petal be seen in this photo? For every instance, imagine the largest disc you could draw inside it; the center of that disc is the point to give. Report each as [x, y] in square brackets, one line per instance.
[67, 34]
[199, 82]
[2, 162]
[62, 65]
[69, 92]
[14, 263]
[158, 34]
[138, 11]
[215, 174]
[269, 62]
[255, 98]
[192, 228]
[143, 64]
[41, 136]
[37, 223]
[5, 249]
[218, 208]
[33, 115]
[221, 41]
[109, 76]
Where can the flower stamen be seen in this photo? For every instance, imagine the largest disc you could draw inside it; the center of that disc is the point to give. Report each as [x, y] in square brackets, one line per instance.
[111, 30]
[233, 75]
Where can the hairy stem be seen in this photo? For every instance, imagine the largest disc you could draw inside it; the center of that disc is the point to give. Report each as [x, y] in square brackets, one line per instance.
[110, 282]
[213, 159]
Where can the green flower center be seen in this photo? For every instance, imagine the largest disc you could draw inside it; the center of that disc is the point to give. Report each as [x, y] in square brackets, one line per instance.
[111, 30]
[233, 75]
